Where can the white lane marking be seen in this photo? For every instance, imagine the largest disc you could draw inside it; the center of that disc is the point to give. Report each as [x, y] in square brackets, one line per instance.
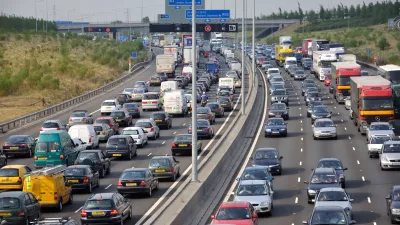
[297, 97]
[349, 137]
[300, 163]
[184, 124]
[92, 114]
[358, 162]
[301, 138]
[149, 154]
[301, 150]
[335, 107]
[341, 120]
[108, 186]
[331, 101]
[345, 128]
[374, 223]
[172, 187]
[78, 209]
[298, 179]
[300, 108]
[297, 200]
[301, 129]
[301, 121]
[354, 149]
[163, 142]
[300, 114]
[369, 200]
[338, 113]
[363, 178]
[175, 132]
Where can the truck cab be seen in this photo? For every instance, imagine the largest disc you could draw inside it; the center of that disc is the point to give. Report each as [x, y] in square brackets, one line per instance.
[341, 74]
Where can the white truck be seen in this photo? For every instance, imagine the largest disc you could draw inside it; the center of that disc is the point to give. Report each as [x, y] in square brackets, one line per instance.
[285, 40]
[165, 64]
[348, 58]
[169, 40]
[187, 55]
[237, 66]
[321, 66]
[172, 50]
[175, 103]
[230, 82]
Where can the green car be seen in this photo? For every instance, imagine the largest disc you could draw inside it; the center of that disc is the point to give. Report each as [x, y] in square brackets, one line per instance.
[164, 167]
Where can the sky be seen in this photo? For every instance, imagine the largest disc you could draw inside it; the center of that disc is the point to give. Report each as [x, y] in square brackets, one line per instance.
[97, 11]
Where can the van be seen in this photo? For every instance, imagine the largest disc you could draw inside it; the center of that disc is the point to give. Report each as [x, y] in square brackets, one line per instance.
[151, 100]
[169, 86]
[86, 133]
[49, 187]
[175, 103]
[55, 148]
[290, 61]
[227, 82]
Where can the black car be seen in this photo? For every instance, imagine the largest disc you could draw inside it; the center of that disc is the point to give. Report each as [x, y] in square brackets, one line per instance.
[95, 159]
[123, 98]
[122, 117]
[280, 96]
[216, 108]
[329, 215]
[279, 110]
[321, 178]
[181, 83]
[268, 157]
[311, 106]
[82, 177]
[55, 221]
[17, 145]
[206, 84]
[162, 76]
[162, 119]
[299, 75]
[137, 180]
[313, 96]
[337, 165]
[306, 63]
[121, 146]
[393, 204]
[107, 208]
[133, 109]
[19, 207]
[305, 86]
[182, 144]
[226, 103]
[320, 111]
[308, 90]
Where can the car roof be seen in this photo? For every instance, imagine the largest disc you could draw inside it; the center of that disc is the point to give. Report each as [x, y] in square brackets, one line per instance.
[379, 123]
[387, 142]
[20, 135]
[234, 204]
[118, 136]
[110, 100]
[78, 167]
[101, 196]
[135, 169]
[12, 194]
[13, 167]
[327, 208]
[274, 118]
[324, 170]
[324, 119]
[51, 121]
[266, 149]
[92, 150]
[329, 159]
[248, 182]
[104, 118]
[331, 189]
[144, 120]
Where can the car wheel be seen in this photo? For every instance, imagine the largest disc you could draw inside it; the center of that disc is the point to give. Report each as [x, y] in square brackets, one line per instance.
[130, 155]
[269, 214]
[149, 191]
[142, 145]
[315, 138]
[173, 178]
[135, 153]
[102, 172]
[130, 214]
[89, 190]
[59, 206]
[309, 201]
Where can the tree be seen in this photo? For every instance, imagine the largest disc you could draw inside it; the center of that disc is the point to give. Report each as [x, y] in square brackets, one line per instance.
[280, 13]
[364, 11]
[146, 19]
[301, 14]
[383, 44]
[352, 11]
[312, 16]
[358, 10]
[321, 12]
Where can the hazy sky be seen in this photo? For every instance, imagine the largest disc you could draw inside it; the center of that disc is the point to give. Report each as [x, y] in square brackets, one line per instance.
[109, 10]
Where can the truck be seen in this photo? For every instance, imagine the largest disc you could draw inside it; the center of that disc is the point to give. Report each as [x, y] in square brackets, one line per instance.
[169, 40]
[315, 45]
[172, 50]
[285, 40]
[165, 64]
[321, 66]
[304, 46]
[392, 73]
[371, 101]
[337, 48]
[187, 55]
[347, 58]
[281, 52]
[341, 74]
[155, 41]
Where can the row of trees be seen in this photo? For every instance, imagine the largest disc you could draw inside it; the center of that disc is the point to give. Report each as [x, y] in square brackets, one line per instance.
[17, 23]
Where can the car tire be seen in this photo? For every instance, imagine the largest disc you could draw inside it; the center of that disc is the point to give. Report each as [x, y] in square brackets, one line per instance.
[315, 138]
[102, 173]
[142, 145]
[149, 194]
[29, 154]
[130, 155]
[59, 205]
[269, 214]
[130, 214]
[309, 201]
[135, 153]
[27, 222]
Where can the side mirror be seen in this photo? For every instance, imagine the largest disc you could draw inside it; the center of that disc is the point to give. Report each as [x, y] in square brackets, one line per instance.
[305, 222]
[238, 179]
[306, 182]
[280, 157]
[312, 126]
[90, 115]
[346, 168]
[212, 217]
[351, 200]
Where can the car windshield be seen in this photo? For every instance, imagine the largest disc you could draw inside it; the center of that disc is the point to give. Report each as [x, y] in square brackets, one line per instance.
[332, 196]
[130, 106]
[223, 100]
[78, 114]
[202, 123]
[275, 122]
[278, 86]
[326, 123]
[233, 214]
[102, 121]
[330, 164]
[116, 141]
[143, 124]
[379, 127]
[323, 179]
[328, 217]
[159, 163]
[313, 94]
[140, 83]
[50, 125]
[87, 155]
[329, 77]
[223, 93]
[273, 71]
[132, 175]
[380, 139]
[98, 128]
[312, 89]
[8, 172]
[128, 90]
[117, 114]
[266, 155]
[150, 97]
[130, 132]
[277, 79]
[278, 106]
[108, 103]
[99, 204]
[9, 203]
[183, 138]
[17, 139]
[47, 147]
[391, 148]
[316, 103]
[75, 172]
[251, 190]
[202, 110]
[307, 60]
[299, 72]
[321, 110]
[251, 174]
[158, 116]
[213, 106]
[138, 91]
[279, 92]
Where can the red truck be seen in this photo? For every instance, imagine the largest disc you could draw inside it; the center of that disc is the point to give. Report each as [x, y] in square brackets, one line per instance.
[304, 48]
[340, 84]
[371, 101]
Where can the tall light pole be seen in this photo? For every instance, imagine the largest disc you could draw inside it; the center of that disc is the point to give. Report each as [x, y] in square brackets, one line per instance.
[43, 19]
[72, 10]
[36, 1]
[236, 36]
[194, 94]
[243, 47]
[47, 15]
[141, 15]
[253, 63]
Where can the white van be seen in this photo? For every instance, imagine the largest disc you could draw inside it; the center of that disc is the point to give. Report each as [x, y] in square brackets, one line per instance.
[187, 69]
[290, 61]
[227, 82]
[169, 86]
[86, 133]
[151, 100]
[175, 103]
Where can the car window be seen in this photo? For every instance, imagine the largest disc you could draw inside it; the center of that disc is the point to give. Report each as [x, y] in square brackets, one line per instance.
[266, 155]
[183, 138]
[47, 147]
[202, 123]
[321, 109]
[275, 122]
[143, 124]
[203, 110]
[328, 217]
[330, 164]
[88, 155]
[78, 114]
[16, 139]
[250, 174]
[278, 106]
[9, 203]
[75, 172]
[99, 204]
[391, 148]
[380, 139]
[50, 125]
[116, 141]
[129, 106]
[139, 91]
[27, 200]
[130, 132]
[98, 128]
[133, 175]
[117, 114]
[160, 162]
[102, 121]
[33, 199]
[332, 196]
[233, 214]
[323, 179]
[108, 104]
[158, 116]
[379, 127]
[279, 92]
[326, 123]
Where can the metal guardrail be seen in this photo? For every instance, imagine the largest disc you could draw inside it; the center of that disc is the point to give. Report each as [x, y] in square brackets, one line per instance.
[368, 65]
[19, 122]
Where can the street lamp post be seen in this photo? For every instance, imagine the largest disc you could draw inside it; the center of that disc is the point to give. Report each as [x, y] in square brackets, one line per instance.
[254, 41]
[42, 19]
[72, 10]
[36, 1]
[194, 94]
[243, 47]
[236, 36]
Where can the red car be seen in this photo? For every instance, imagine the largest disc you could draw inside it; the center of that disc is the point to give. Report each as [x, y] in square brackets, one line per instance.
[328, 80]
[109, 121]
[238, 213]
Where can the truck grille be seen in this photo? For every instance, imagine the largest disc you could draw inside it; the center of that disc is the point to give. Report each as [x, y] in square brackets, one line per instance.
[371, 119]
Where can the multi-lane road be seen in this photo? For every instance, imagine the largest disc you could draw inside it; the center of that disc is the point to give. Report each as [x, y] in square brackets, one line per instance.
[365, 182]
[161, 146]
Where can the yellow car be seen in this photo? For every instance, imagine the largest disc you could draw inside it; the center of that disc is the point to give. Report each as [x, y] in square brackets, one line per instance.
[12, 177]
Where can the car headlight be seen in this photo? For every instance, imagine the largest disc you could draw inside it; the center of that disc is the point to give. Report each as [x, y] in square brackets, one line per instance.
[271, 113]
[268, 130]
[273, 165]
[385, 159]
[395, 211]
[266, 203]
[329, 115]
[311, 191]
[282, 129]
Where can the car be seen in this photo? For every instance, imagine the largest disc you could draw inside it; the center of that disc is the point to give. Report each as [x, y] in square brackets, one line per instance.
[162, 119]
[19, 145]
[324, 128]
[257, 173]
[19, 207]
[258, 193]
[329, 215]
[96, 159]
[313, 96]
[382, 128]
[274, 87]
[162, 76]
[137, 94]
[155, 81]
[204, 129]
[337, 165]
[306, 85]
[150, 127]
[108, 106]
[347, 102]
[80, 117]
[103, 131]
[13, 176]
[308, 90]
[138, 134]
[321, 178]
[275, 127]
[109, 208]
[277, 79]
[137, 180]
[56, 221]
[311, 106]
[110, 122]
[223, 87]
[142, 84]
[335, 196]
[280, 96]
[133, 109]
[278, 110]
[328, 80]
[128, 91]
[235, 213]
[82, 177]
[53, 125]
[265, 66]
[181, 83]
[3, 160]
[122, 117]
[393, 204]
[292, 70]
[375, 144]
[268, 157]
[224, 93]
[182, 144]
[306, 63]
[216, 108]
[123, 98]
[164, 167]
[206, 114]
[389, 155]
[320, 112]
[299, 75]
[121, 146]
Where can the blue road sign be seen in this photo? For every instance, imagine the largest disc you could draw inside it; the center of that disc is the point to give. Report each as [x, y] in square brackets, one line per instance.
[191, 20]
[183, 2]
[207, 20]
[122, 38]
[144, 42]
[164, 16]
[134, 54]
[209, 14]
[177, 7]
[222, 20]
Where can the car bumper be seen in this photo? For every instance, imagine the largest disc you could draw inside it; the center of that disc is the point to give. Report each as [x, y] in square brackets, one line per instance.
[374, 151]
[311, 196]
[80, 186]
[11, 186]
[16, 220]
[155, 83]
[164, 175]
[201, 133]
[161, 124]
[151, 134]
[132, 190]
[19, 151]
[275, 133]
[262, 208]
[182, 150]
[117, 154]
[149, 106]
[390, 165]
[102, 220]
[134, 114]
[325, 135]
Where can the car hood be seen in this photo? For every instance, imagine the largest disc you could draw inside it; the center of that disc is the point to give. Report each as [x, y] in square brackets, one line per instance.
[300, 75]
[381, 132]
[392, 156]
[266, 162]
[275, 127]
[375, 146]
[319, 129]
[321, 114]
[317, 187]
[343, 204]
[277, 111]
[233, 222]
[395, 204]
[253, 199]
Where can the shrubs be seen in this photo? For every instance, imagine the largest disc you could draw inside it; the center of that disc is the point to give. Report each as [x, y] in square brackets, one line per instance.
[382, 44]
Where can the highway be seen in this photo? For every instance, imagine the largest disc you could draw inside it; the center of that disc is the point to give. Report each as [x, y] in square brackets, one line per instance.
[365, 182]
[161, 146]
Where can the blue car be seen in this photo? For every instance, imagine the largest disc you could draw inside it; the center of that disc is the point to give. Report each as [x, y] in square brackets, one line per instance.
[204, 129]
[142, 84]
[275, 127]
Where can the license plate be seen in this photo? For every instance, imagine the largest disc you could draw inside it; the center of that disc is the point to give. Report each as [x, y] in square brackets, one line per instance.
[116, 155]
[169, 108]
[131, 110]
[118, 121]
[42, 158]
[277, 115]
[160, 171]
[137, 95]
[158, 120]
[275, 132]
[98, 213]
[14, 147]
[130, 184]
[182, 145]
[223, 104]
[73, 181]
[5, 214]
[199, 130]
[108, 107]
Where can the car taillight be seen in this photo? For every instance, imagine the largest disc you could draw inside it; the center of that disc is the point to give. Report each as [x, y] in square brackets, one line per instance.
[143, 184]
[5, 145]
[83, 119]
[35, 158]
[171, 169]
[208, 115]
[114, 212]
[119, 184]
[218, 108]
[190, 129]
[70, 120]
[206, 129]
[61, 156]
[55, 196]
[21, 214]
[173, 145]
[41, 129]
[58, 128]
[152, 129]
[154, 102]
[19, 180]
[83, 213]
[85, 180]
[103, 132]
[23, 145]
[90, 140]
[75, 163]
[166, 120]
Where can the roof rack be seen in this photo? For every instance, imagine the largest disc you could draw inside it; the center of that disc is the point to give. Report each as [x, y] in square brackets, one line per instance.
[50, 170]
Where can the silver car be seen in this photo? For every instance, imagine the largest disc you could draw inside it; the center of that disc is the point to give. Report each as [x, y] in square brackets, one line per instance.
[128, 91]
[375, 144]
[137, 94]
[150, 127]
[258, 193]
[335, 196]
[383, 128]
[324, 128]
[347, 103]
[103, 131]
[277, 80]
[390, 155]
[80, 117]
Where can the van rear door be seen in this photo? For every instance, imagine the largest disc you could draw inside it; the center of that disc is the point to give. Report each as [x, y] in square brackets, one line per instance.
[47, 150]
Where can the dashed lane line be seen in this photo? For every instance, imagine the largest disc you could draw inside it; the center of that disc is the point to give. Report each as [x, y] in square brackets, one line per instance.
[358, 162]
[301, 149]
[300, 163]
[369, 200]
[108, 186]
[298, 179]
[149, 154]
[354, 149]
[296, 200]
[163, 142]
[363, 178]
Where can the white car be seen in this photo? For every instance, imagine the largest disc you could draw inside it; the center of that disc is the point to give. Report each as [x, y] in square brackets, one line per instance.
[138, 134]
[258, 193]
[375, 144]
[108, 106]
[335, 196]
[53, 125]
[150, 127]
[382, 128]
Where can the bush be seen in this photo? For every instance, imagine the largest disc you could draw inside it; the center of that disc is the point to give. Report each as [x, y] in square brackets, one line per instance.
[104, 59]
[113, 62]
[382, 44]
[398, 46]
[393, 59]
[18, 37]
